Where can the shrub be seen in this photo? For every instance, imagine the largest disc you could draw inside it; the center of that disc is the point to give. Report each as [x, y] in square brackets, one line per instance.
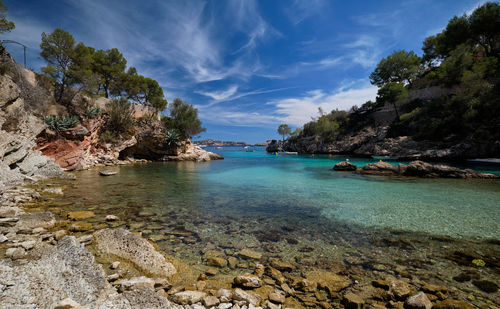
[121, 118]
[92, 112]
[3, 69]
[58, 124]
[172, 137]
[108, 137]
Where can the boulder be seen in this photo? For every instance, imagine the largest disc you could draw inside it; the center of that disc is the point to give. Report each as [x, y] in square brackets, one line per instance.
[345, 166]
[418, 301]
[134, 249]
[35, 220]
[379, 168]
[247, 281]
[188, 297]
[352, 301]
[400, 290]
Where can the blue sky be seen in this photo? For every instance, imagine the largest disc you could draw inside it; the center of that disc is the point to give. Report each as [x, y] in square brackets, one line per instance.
[247, 66]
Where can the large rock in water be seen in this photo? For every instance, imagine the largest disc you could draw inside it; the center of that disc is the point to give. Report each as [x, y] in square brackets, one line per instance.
[424, 169]
[345, 166]
[381, 168]
[134, 249]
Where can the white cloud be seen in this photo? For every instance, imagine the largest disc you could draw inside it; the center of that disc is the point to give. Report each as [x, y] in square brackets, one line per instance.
[221, 95]
[298, 111]
[300, 10]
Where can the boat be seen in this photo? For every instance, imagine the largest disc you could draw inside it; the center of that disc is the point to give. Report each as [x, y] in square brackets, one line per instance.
[485, 160]
[290, 152]
[387, 158]
[246, 147]
[107, 173]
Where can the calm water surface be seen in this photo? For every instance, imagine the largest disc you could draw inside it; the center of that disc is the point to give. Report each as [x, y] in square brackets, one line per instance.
[256, 185]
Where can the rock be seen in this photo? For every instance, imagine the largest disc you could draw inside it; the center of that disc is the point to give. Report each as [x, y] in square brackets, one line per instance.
[224, 295]
[86, 239]
[452, 304]
[251, 298]
[30, 221]
[39, 230]
[259, 270]
[107, 173]
[418, 301]
[162, 283]
[281, 265]
[400, 290]
[15, 253]
[486, 286]
[270, 305]
[115, 265]
[247, 281]
[217, 261]
[110, 218]
[329, 281]
[345, 166]
[225, 306]
[80, 215]
[134, 283]
[80, 226]
[434, 289]
[77, 133]
[68, 303]
[3, 238]
[232, 261]
[56, 191]
[28, 244]
[135, 249]
[250, 254]
[60, 234]
[352, 301]
[211, 271]
[277, 297]
[379, 168]
[210, 301]
[187, 297]
[275, 274]
[381, 284]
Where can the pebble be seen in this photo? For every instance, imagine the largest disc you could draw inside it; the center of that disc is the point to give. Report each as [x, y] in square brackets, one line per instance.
[210, 301]
[277, 297]
[115, 265]
[3, 238]
[60, 234]
[110, 218]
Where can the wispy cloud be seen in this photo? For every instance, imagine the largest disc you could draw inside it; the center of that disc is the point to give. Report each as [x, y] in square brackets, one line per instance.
[232, 94]
[299, 110]
[299, 10]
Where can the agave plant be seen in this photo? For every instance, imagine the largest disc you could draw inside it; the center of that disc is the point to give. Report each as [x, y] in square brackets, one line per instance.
[58, 124]
[173, 137]
[92, 112]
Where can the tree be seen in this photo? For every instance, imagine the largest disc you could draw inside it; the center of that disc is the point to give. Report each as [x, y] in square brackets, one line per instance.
[284, 130]
[109, 65]
[5, 25]
[485, 27]
[68, 62]
[401, 67]
[184, 118]
[391, 93]
[142, 90]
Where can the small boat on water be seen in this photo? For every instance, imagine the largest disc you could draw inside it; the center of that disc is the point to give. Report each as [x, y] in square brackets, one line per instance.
[387, 158]
[246, 147]
[289, 152]
[485, 160]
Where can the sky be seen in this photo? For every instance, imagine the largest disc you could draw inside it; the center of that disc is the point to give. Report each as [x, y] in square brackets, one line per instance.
[248, 66]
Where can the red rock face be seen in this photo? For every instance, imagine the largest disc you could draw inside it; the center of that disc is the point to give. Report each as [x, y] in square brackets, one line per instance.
[66, 153]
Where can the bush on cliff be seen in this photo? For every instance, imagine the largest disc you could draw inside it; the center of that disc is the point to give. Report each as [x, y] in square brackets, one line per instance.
[120, 117]
[184, 119]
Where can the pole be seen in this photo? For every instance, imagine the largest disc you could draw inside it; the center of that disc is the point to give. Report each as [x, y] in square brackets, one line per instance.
[24, 48]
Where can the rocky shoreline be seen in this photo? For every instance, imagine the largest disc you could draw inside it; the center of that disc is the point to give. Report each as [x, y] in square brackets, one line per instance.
[413, 169]
[59, 260]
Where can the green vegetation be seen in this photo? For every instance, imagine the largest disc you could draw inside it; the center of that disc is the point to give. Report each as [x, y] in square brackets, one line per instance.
[461, 65]
[121, 120]
[172, 137]
[184, 119]
[284, 130]
[5, 25]
[73, 67]
[58, 124]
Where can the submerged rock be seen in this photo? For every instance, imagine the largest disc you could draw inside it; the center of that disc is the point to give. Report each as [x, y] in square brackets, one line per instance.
[247, 281]
[81, 215]
[135, 249]
[452, 304]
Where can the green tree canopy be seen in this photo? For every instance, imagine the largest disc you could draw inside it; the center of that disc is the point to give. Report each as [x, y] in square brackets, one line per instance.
[485, 27]
[184, 118]
[284, 130]
[68, 63]
[400, 67]
[5, 25]
[142, 90]
[109, 66]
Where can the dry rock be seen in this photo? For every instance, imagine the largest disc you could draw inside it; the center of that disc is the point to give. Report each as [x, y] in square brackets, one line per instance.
[418, 301]
[188, 297]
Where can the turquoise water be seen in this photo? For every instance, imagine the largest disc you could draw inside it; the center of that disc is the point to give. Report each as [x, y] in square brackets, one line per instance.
[295, 189]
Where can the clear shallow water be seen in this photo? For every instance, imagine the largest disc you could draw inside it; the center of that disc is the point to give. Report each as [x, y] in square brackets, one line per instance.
[256, 185]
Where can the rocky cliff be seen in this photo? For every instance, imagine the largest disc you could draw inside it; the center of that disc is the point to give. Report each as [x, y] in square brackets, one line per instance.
[373, 141]
[30, 151]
